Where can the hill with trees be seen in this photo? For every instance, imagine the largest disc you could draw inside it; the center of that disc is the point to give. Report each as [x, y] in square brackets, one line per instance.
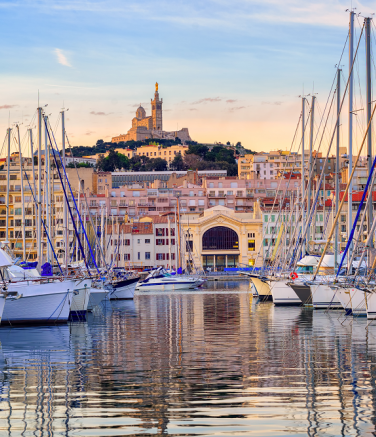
[198, 156]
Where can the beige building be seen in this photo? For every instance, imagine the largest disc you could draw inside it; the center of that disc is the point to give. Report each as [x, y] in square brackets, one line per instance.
[222, 237]
[151, 126]
[167, 153]
[17, 229]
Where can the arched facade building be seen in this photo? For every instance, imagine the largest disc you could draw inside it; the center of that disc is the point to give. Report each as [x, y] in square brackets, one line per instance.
[223, 238]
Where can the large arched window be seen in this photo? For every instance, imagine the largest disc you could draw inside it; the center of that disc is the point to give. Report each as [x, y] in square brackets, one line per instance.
[220, 238]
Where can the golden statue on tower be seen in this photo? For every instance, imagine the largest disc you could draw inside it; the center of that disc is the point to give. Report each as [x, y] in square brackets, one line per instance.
[156, 86]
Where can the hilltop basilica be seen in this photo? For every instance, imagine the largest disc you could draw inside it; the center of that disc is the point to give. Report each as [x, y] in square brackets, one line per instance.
[144, 127]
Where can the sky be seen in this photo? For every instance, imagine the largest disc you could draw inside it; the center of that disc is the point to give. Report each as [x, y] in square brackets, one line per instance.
[227, 70]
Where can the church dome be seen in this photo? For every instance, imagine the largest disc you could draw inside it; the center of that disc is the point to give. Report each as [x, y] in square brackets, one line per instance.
[140, 113]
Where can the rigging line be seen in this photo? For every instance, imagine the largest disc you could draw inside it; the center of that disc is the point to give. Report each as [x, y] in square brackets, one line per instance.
[273, 232]
[269, 218]
[318, 184]
[326, 159]
[87, 206]
[44, 225]
[66, 198]
[335, 77]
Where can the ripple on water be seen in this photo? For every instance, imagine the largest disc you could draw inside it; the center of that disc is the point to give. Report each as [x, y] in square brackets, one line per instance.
[211, 362]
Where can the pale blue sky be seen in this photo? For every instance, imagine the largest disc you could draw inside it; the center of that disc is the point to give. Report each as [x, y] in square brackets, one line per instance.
[228, 70]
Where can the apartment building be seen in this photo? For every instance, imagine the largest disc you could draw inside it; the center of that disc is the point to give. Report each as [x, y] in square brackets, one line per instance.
[16, 228]
[140, 245]
[157, 151]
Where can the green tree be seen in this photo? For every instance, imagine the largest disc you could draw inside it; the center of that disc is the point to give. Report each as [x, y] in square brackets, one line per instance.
[177, 163]
[114, 160]
[197, 149]
[156, 164]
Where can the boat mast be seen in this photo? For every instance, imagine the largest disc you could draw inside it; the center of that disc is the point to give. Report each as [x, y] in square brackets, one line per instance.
[337, 169]
[178, 226]
[65, 210]
[169, 246]
[22, 196]
[369, 137]
[8, 178]
[78, 220]
[176, 242]
[303, 176]
[102, 229]
[32, 160]
[47, 184]
[310, 157]
[39, 216]
[350, 146]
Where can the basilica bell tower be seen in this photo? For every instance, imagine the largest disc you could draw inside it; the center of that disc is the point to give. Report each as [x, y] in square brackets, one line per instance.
[156, 110]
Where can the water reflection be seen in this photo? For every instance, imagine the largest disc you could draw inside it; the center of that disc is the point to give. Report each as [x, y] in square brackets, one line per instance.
[202, 363]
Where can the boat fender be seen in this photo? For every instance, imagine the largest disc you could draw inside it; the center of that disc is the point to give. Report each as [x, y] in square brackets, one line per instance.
[293, 275]
[75, 292]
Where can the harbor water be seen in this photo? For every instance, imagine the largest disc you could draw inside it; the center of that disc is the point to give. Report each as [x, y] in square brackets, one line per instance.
[210, 362]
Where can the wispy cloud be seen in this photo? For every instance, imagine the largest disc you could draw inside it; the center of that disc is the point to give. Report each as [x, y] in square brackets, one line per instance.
[272, 103]
[61, 58]
[100, 113]
[237, 108]
[8, 106]
[207, 100]
[88, 133]
[193, 109]
[231, 101]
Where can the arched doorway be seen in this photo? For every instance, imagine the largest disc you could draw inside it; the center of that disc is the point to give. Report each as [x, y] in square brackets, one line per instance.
[217, 239]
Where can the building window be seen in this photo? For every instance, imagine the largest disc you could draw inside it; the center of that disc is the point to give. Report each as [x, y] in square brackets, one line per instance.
[147, 241]
[251, 245]
[220, 238]
[138, 241]
[160, 241]
[147, 255]
[138, 255]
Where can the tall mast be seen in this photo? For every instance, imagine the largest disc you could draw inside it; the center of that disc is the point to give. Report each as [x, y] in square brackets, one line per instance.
[169, 246]
[350, 148]
[32, 160]
[39, 216]
[178, 229]
[22, 196]
[78, 219]
[310, 156]
[337, 169]
[65, 209]
[8, 178]
[102, 232]
[303, 174]
[369, 110]
[47, 184]
[176, 240]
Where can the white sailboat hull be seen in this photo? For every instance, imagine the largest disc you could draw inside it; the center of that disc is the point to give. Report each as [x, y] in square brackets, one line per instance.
[358, 302]
[262, 288]
[80, 299]
[123, 290]
[324, 297]
[96, 297]
[169, 284]
[283, 294]
[39, 302]
[353, 301]
[371, 306]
